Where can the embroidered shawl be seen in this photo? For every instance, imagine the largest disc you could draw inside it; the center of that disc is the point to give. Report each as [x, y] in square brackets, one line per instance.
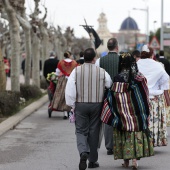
[130, 103]
[66, 67]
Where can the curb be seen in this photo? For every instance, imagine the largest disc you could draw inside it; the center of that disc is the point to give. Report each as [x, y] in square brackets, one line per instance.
[12, 121]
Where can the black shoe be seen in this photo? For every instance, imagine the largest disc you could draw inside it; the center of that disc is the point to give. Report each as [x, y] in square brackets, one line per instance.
[93, 165]
[64, 117]
[109, 152]
[83, 159]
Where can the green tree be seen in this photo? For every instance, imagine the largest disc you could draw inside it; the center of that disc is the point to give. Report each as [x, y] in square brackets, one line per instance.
[157, 34]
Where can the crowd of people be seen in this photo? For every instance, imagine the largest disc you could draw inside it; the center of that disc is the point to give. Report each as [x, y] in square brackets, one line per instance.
[124, 97]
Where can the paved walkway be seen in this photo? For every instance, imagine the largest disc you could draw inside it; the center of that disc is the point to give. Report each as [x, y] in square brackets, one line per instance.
[42, 143]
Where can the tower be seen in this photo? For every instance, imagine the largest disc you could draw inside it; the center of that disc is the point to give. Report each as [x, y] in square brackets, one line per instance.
[103, 33]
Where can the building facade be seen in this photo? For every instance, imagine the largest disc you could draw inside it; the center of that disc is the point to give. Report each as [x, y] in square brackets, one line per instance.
[128, 36]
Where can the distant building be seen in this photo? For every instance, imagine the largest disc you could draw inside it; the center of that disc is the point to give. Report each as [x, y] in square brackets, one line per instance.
[129, 36]
[103, 32]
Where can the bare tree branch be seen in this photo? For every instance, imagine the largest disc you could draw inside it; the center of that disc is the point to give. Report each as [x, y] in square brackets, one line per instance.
[36, 12]
[45, 15]
[23, 22]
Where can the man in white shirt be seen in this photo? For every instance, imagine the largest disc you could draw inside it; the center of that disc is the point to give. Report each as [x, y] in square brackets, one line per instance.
[84, 93]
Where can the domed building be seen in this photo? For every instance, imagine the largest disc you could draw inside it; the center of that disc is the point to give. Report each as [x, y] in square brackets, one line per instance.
[128, 36]
[129, 24]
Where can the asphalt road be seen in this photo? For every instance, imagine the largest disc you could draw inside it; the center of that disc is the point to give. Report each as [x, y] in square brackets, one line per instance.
[40, 143]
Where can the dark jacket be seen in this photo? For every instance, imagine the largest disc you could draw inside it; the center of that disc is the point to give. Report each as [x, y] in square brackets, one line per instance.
[166, 64]
[80, 61]
[50, 65]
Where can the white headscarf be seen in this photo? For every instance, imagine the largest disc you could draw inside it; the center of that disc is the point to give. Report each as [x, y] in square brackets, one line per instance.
[145, 48]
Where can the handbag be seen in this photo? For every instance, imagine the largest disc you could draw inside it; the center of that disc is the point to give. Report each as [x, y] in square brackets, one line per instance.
[72, 118]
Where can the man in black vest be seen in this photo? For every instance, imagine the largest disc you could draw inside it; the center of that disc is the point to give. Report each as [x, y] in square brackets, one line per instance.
[50, 64]
[110, 63]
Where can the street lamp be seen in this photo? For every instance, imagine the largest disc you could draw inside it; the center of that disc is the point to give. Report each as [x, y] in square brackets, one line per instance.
[154, 29]
[147, 22]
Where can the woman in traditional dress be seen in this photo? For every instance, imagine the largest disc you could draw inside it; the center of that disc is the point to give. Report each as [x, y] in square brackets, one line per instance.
[66, 65]
[158, 81]
[130, 98]
[64, 69]
[166, 96]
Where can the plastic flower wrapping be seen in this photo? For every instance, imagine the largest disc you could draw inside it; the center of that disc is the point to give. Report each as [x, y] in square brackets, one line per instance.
[52, 77]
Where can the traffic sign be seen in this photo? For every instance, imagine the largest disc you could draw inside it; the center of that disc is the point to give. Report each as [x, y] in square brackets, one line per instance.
[154, 43]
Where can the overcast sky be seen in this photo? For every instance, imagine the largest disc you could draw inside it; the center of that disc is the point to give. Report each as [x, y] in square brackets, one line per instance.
[72, 13]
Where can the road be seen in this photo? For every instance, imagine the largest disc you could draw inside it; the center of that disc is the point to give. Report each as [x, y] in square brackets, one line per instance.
[40, 143]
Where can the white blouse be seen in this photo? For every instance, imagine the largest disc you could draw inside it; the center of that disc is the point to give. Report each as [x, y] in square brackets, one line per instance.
[157, 78]
[161, 85]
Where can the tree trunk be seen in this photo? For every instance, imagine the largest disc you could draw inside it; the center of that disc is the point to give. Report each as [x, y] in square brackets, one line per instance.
[27, 31]
[14, 28]
[36, 61]
[28, 56]
[44, 49]
[2, 74]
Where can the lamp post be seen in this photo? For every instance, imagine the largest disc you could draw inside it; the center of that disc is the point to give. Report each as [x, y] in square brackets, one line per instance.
[162, 30]
[147, 22]
[154, 29]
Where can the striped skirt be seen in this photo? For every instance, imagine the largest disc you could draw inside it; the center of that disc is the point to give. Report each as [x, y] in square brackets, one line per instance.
[157, 122]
